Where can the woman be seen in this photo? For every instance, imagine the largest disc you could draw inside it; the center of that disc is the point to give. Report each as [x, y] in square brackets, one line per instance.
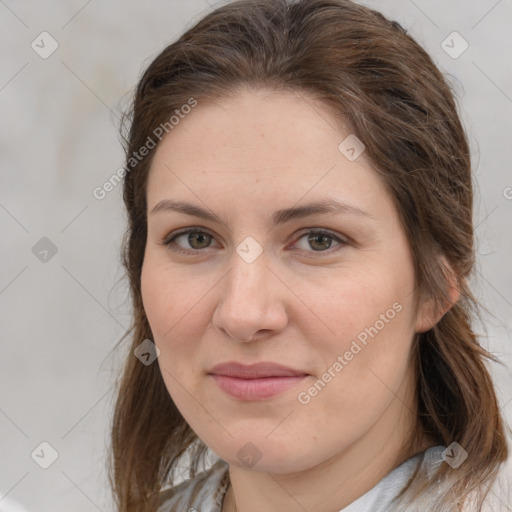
[298, 188]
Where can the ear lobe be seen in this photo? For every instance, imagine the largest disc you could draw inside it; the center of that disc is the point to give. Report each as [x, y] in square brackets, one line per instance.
[428, 315]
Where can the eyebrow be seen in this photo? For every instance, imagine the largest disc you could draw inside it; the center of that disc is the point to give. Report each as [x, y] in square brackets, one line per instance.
[279, 217]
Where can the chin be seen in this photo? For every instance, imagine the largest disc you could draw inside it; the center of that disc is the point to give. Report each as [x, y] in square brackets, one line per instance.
[261, 454]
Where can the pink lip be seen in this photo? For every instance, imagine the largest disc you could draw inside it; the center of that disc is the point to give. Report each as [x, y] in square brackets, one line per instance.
[257, 381]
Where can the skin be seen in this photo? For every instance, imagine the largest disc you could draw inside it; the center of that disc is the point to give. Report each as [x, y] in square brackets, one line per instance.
[245, 158]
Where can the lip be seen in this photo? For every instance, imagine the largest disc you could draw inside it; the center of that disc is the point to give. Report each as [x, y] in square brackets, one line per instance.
[257, 381]
[254, 371]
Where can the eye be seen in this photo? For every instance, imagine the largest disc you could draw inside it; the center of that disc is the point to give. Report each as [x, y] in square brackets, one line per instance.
[320, 240]
[198, 239]
[194, 237]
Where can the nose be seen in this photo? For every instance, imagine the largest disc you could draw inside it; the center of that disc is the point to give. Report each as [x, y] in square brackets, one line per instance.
[252, 303]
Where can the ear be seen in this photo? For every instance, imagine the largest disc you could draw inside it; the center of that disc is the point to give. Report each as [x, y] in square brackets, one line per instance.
[428, 315]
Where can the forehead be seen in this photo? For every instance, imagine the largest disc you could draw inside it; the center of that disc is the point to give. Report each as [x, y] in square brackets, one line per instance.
[266, 125]
[261, 146]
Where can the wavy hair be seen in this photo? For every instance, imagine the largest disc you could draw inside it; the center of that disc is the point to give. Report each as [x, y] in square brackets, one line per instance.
[378, 79]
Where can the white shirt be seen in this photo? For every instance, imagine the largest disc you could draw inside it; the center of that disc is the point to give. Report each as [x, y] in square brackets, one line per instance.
[206, 491]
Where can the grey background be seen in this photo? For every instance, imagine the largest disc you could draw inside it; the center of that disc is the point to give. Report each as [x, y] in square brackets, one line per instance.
[60, 318]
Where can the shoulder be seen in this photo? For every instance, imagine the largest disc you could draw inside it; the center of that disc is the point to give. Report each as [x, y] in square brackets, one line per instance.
[203, 493]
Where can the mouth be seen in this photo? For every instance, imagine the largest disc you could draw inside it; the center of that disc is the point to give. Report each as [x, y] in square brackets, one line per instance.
[255, 382]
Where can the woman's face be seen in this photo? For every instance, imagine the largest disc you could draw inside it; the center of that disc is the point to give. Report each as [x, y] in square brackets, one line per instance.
[253, 283]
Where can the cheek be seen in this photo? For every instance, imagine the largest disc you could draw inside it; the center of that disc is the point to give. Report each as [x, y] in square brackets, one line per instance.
[169, 296]
[156, 298]
[363, 341]
[358, 303]
[174, 304]
[168, 306]
[365, 361]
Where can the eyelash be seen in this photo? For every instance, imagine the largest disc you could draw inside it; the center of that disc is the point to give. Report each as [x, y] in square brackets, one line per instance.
[169, 241]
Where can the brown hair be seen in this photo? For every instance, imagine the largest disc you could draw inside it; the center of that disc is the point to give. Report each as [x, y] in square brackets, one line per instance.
[374, 76]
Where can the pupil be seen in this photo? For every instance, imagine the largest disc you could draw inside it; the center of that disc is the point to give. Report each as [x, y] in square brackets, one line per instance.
[200, 238]
[325, 245]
